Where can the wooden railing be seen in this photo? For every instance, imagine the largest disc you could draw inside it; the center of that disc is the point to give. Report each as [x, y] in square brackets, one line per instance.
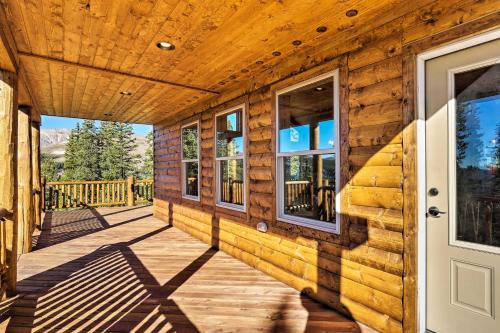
[232, 191]
[300, 195]
[143, 191]
[73, 194]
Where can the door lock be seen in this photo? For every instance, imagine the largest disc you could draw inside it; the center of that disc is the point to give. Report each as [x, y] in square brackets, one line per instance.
[434, 212]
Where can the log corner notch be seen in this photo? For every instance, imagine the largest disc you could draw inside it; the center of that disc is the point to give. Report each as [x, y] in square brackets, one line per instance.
[8, 182]
[25, 180]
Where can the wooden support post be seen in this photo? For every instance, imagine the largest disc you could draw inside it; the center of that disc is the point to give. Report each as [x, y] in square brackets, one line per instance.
[8, 173]
[37, 175]
[25, 181]
[130, 192]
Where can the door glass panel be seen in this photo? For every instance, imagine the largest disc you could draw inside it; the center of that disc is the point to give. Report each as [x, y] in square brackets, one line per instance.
[477, 95]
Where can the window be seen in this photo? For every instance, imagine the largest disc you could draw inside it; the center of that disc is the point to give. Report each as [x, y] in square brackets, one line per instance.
[230, 158]
[190, 161]
[308, 153]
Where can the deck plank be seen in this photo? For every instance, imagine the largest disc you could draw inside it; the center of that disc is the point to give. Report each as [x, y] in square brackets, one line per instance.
[122, 270]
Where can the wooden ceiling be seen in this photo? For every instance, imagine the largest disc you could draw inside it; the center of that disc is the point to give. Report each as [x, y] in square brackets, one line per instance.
[78, 55]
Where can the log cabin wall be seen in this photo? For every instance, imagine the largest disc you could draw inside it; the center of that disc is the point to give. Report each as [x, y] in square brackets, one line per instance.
[369, 270]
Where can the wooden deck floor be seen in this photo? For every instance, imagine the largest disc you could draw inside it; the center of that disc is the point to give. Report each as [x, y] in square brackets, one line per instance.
[122, 270]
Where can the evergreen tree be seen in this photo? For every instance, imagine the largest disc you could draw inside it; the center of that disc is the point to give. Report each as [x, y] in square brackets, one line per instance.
[475, 146]
[49, 168]
[82, 155]
[147, 167]
[118, 160]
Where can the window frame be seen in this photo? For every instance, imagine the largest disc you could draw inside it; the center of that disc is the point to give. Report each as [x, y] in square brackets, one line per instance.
[242, 156]
[185, 161]
[280, 203]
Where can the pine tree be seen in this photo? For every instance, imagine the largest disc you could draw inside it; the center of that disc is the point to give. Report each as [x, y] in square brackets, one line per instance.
[82, 157]
[118, 160]
[49, 168]
[70, 155]
[147, 166]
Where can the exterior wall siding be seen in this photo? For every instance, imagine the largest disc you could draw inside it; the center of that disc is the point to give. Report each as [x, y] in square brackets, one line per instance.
[362, 271]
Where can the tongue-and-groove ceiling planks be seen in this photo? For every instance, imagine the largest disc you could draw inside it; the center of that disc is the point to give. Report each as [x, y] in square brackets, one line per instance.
[218, 45]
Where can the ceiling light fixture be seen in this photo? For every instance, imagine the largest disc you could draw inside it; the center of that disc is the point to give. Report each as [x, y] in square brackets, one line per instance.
[165, 46]
[297, 42]
[126, 93]
[319, 88]
[321, 29]
[276, 53]
[351, 13]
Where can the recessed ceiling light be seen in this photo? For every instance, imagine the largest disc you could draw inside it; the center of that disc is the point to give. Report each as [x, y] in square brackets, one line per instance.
[126, 93]
[297, 42]
[276, 53]
[319, 88]
[321, 29]
[259, 62]
[244, 70]
[351, 13]
[165, 46]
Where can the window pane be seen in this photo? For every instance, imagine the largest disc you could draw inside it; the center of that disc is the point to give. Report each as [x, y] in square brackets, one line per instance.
[306, 117]
[478, 155]
[190, 142]
[191, 178]
[230, 134]
[309, 186]
[231, 181]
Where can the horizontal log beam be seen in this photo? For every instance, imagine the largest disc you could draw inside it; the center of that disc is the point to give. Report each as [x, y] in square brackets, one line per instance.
[36, 57]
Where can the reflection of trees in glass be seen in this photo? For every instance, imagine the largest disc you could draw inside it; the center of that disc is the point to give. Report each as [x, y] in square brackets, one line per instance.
[470, 145]
[478, 178]
[190, 143]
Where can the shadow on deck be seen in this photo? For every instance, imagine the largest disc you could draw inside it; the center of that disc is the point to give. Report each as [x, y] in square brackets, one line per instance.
[121, 270]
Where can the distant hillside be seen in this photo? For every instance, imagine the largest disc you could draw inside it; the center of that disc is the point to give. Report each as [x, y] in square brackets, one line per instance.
[53, 141]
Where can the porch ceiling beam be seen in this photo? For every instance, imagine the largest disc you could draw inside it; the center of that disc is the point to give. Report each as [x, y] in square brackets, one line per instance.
[24, 55]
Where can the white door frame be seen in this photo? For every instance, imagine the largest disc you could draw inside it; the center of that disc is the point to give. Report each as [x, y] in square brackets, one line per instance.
[421, 156]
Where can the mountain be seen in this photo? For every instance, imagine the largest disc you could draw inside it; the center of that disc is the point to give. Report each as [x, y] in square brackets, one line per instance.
[53, 141]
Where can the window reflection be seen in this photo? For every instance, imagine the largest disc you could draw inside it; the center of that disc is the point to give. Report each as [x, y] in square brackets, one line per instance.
[306, 118]
[230, 134]
[190, 142]
[478, 155]
[309, 186]
[191, 180]
[231, 181]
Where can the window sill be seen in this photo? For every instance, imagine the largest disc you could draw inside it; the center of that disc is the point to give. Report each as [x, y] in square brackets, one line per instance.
[238, 208]
[311, 224]
[192, 198]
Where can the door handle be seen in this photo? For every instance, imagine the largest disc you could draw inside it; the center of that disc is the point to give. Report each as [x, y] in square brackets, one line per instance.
[434, 212]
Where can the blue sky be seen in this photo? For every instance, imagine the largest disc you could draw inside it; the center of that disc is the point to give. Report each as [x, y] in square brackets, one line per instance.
[62, 122]
[297, 138]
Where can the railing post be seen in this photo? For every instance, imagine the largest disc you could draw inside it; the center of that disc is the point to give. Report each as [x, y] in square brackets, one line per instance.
[42, 194]
[130, 191]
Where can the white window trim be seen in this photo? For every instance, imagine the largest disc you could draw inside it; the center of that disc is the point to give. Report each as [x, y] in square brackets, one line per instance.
[280, 213]
[184, 161]
[218, 202]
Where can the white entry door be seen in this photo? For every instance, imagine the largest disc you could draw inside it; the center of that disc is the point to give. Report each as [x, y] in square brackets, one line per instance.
[463, 190]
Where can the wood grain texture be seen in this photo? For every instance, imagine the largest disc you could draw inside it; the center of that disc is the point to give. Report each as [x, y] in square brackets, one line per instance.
[121, 37]
[8, 177]
[25, 205]
[122, 270]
